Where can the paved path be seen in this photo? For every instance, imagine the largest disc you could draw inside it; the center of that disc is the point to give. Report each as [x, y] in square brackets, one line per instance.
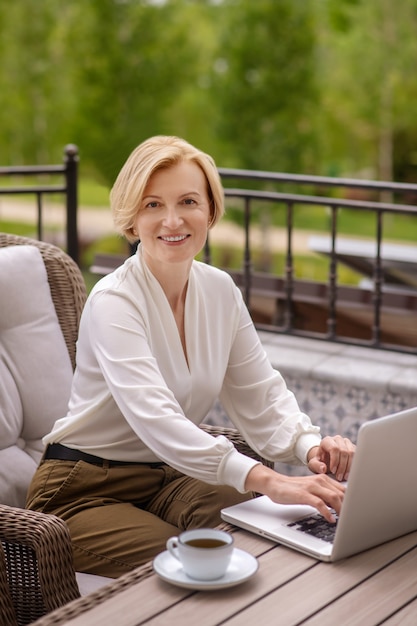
[97, 222]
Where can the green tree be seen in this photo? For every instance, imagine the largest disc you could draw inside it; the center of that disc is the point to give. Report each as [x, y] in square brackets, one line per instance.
[35, 95]
[264, 83]
[130, 65]
[324, 86]
[368, 85]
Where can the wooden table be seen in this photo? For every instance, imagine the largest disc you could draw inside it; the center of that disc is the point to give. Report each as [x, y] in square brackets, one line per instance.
[377, 586]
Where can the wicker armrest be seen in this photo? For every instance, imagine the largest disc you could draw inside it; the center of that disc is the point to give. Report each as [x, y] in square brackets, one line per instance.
[36, 564]
[237, 440]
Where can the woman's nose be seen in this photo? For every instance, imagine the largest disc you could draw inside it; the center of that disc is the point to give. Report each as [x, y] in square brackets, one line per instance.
[172, 218]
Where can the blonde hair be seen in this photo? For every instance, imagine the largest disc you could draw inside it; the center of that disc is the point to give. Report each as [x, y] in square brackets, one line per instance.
[150, 156]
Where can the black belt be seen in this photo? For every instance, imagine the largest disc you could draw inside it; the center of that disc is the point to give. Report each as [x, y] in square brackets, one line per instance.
[59, 452]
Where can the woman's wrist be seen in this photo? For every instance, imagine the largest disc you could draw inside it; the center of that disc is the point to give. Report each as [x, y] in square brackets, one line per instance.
[259, 477]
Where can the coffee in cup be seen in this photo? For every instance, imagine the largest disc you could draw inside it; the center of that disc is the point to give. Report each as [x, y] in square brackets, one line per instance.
[204, 553]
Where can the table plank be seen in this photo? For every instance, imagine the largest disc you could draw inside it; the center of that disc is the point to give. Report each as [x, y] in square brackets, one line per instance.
[275, 568]
[406, 617]
[378, 597]
[317, 587]
[131, 606]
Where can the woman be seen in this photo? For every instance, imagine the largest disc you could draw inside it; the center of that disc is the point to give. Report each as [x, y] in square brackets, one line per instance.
[160, 339]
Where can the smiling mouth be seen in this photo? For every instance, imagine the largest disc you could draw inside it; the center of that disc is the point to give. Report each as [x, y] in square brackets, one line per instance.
[173, 238]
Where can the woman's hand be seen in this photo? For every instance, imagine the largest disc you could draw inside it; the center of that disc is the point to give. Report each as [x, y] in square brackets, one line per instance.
[334, 455]
[319, 491]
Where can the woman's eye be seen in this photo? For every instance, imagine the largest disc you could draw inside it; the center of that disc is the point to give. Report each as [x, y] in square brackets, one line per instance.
[152, 205]
[189, 201]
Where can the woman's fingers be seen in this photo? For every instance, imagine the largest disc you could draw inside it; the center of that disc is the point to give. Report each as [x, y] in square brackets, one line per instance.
[336, 453]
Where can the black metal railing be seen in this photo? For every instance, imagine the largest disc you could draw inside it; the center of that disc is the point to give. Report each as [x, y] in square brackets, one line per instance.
[386, 306]
[68, 173]
[381, 315]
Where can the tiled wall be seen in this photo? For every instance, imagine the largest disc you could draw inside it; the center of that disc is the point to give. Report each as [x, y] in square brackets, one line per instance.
[339, 386]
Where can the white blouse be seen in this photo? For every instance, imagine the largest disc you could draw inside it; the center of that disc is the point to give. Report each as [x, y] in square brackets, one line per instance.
[134, 397]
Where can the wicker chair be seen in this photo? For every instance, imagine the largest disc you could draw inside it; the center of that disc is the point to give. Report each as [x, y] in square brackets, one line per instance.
[36, 570]
[36, 567]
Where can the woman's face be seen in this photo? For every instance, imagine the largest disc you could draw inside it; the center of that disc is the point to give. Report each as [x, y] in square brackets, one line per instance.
[173, 218]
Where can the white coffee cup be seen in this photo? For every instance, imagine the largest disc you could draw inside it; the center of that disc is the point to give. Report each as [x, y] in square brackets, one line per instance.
[205, 553]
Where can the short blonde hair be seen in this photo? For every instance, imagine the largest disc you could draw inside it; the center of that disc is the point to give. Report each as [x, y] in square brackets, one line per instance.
[154, 154]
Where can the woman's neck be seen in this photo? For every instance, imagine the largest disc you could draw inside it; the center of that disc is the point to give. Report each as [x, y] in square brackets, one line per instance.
[173, 280]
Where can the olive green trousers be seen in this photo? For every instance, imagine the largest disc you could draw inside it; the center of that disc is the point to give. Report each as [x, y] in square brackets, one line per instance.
[120, 517]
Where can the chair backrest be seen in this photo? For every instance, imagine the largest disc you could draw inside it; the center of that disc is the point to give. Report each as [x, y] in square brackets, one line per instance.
[42, 297]
[66, 283]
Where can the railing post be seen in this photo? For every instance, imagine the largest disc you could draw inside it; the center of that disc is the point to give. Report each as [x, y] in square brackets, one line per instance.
[71, 176]
[331, 319]
[247, 263]
[289, 272]
[378, 283]
[40, 216]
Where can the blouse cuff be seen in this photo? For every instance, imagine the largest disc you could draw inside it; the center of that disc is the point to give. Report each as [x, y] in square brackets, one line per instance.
[304, 443]
[234, 468]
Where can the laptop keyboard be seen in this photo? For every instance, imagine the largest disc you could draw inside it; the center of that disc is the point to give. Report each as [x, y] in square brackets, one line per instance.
[317, 526]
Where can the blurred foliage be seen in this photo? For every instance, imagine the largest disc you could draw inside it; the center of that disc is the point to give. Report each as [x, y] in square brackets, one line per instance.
[264, 82]
[316, 86]
[367, 52]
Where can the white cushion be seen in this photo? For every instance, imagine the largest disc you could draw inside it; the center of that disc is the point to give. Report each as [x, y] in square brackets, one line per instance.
[90, 582]
[35, 368]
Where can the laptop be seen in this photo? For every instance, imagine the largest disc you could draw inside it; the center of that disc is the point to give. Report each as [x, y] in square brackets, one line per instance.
[380, 503]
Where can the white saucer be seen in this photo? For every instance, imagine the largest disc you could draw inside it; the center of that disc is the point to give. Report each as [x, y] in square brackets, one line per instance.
[242, 566]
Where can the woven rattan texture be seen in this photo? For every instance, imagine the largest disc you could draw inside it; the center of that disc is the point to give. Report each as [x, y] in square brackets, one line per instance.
[66, 283]
[37, 553]
[7, 612]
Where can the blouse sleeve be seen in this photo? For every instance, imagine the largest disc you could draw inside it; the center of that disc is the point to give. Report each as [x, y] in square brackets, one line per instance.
[259, 403]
